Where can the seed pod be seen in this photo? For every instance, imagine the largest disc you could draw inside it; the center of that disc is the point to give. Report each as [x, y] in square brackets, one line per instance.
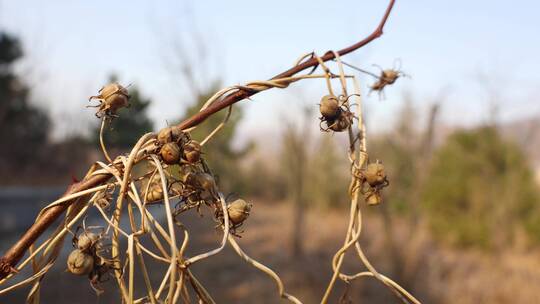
[113, 97]
[375, 174]
[205, 185]
[185, 173]
[204, 181]
[80, 263]
[329, 107]
[341, 124]
[86, 241]
[378, 86]
[169, 134]
[192, 152]
[238, 211]
[373, 198]
[390, 76]
[170, 153]
[155, 193]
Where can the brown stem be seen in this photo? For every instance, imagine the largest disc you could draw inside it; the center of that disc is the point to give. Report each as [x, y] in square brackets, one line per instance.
[242, 94]
[16, 252]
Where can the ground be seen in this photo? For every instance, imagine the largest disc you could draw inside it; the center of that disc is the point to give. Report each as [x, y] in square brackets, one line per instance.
[438, 274]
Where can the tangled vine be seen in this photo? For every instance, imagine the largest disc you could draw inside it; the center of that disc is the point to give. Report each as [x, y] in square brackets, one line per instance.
[176, 169]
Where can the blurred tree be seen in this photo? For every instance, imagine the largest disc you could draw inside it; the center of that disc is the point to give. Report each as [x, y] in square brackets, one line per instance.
[406, 152]
[124, 131]
[328, 179]
[398, 152]
[23, 127]
[263, 180]
[480, 190]
[219, 152]
[294, 159]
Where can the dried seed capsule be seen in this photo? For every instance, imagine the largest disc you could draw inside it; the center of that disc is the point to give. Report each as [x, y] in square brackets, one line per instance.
[238, 211]
[341, 124]
[387, 77]
[86, 241]
[155, 193]
[115, 95]
[329, 107]
[169, 134]
[192, 152]
[170, 153]
[390, 76]
[205, 185]
[185, 173]
[378, 86]
[375, 174]
[112, 97]
[373, 198]
[80, 263]
[205, 181]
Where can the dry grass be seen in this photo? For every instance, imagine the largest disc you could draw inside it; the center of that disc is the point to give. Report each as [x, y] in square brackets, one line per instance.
[444, 275]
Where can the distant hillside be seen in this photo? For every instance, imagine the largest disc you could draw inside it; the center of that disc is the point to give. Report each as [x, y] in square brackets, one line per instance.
[526, 133]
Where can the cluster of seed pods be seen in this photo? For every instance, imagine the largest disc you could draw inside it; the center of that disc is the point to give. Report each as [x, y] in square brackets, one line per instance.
[87, 258]
[335, 114]
[338, 117]
[374, 180]
[192, 181]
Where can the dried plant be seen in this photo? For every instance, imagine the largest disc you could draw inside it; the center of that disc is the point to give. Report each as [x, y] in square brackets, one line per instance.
[177, 169]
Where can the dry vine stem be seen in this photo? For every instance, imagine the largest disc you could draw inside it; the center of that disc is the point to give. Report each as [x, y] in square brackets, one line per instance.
[15, 253]
[196, 188]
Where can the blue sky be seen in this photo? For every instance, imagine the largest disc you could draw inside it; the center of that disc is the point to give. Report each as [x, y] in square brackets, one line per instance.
[446, 46]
